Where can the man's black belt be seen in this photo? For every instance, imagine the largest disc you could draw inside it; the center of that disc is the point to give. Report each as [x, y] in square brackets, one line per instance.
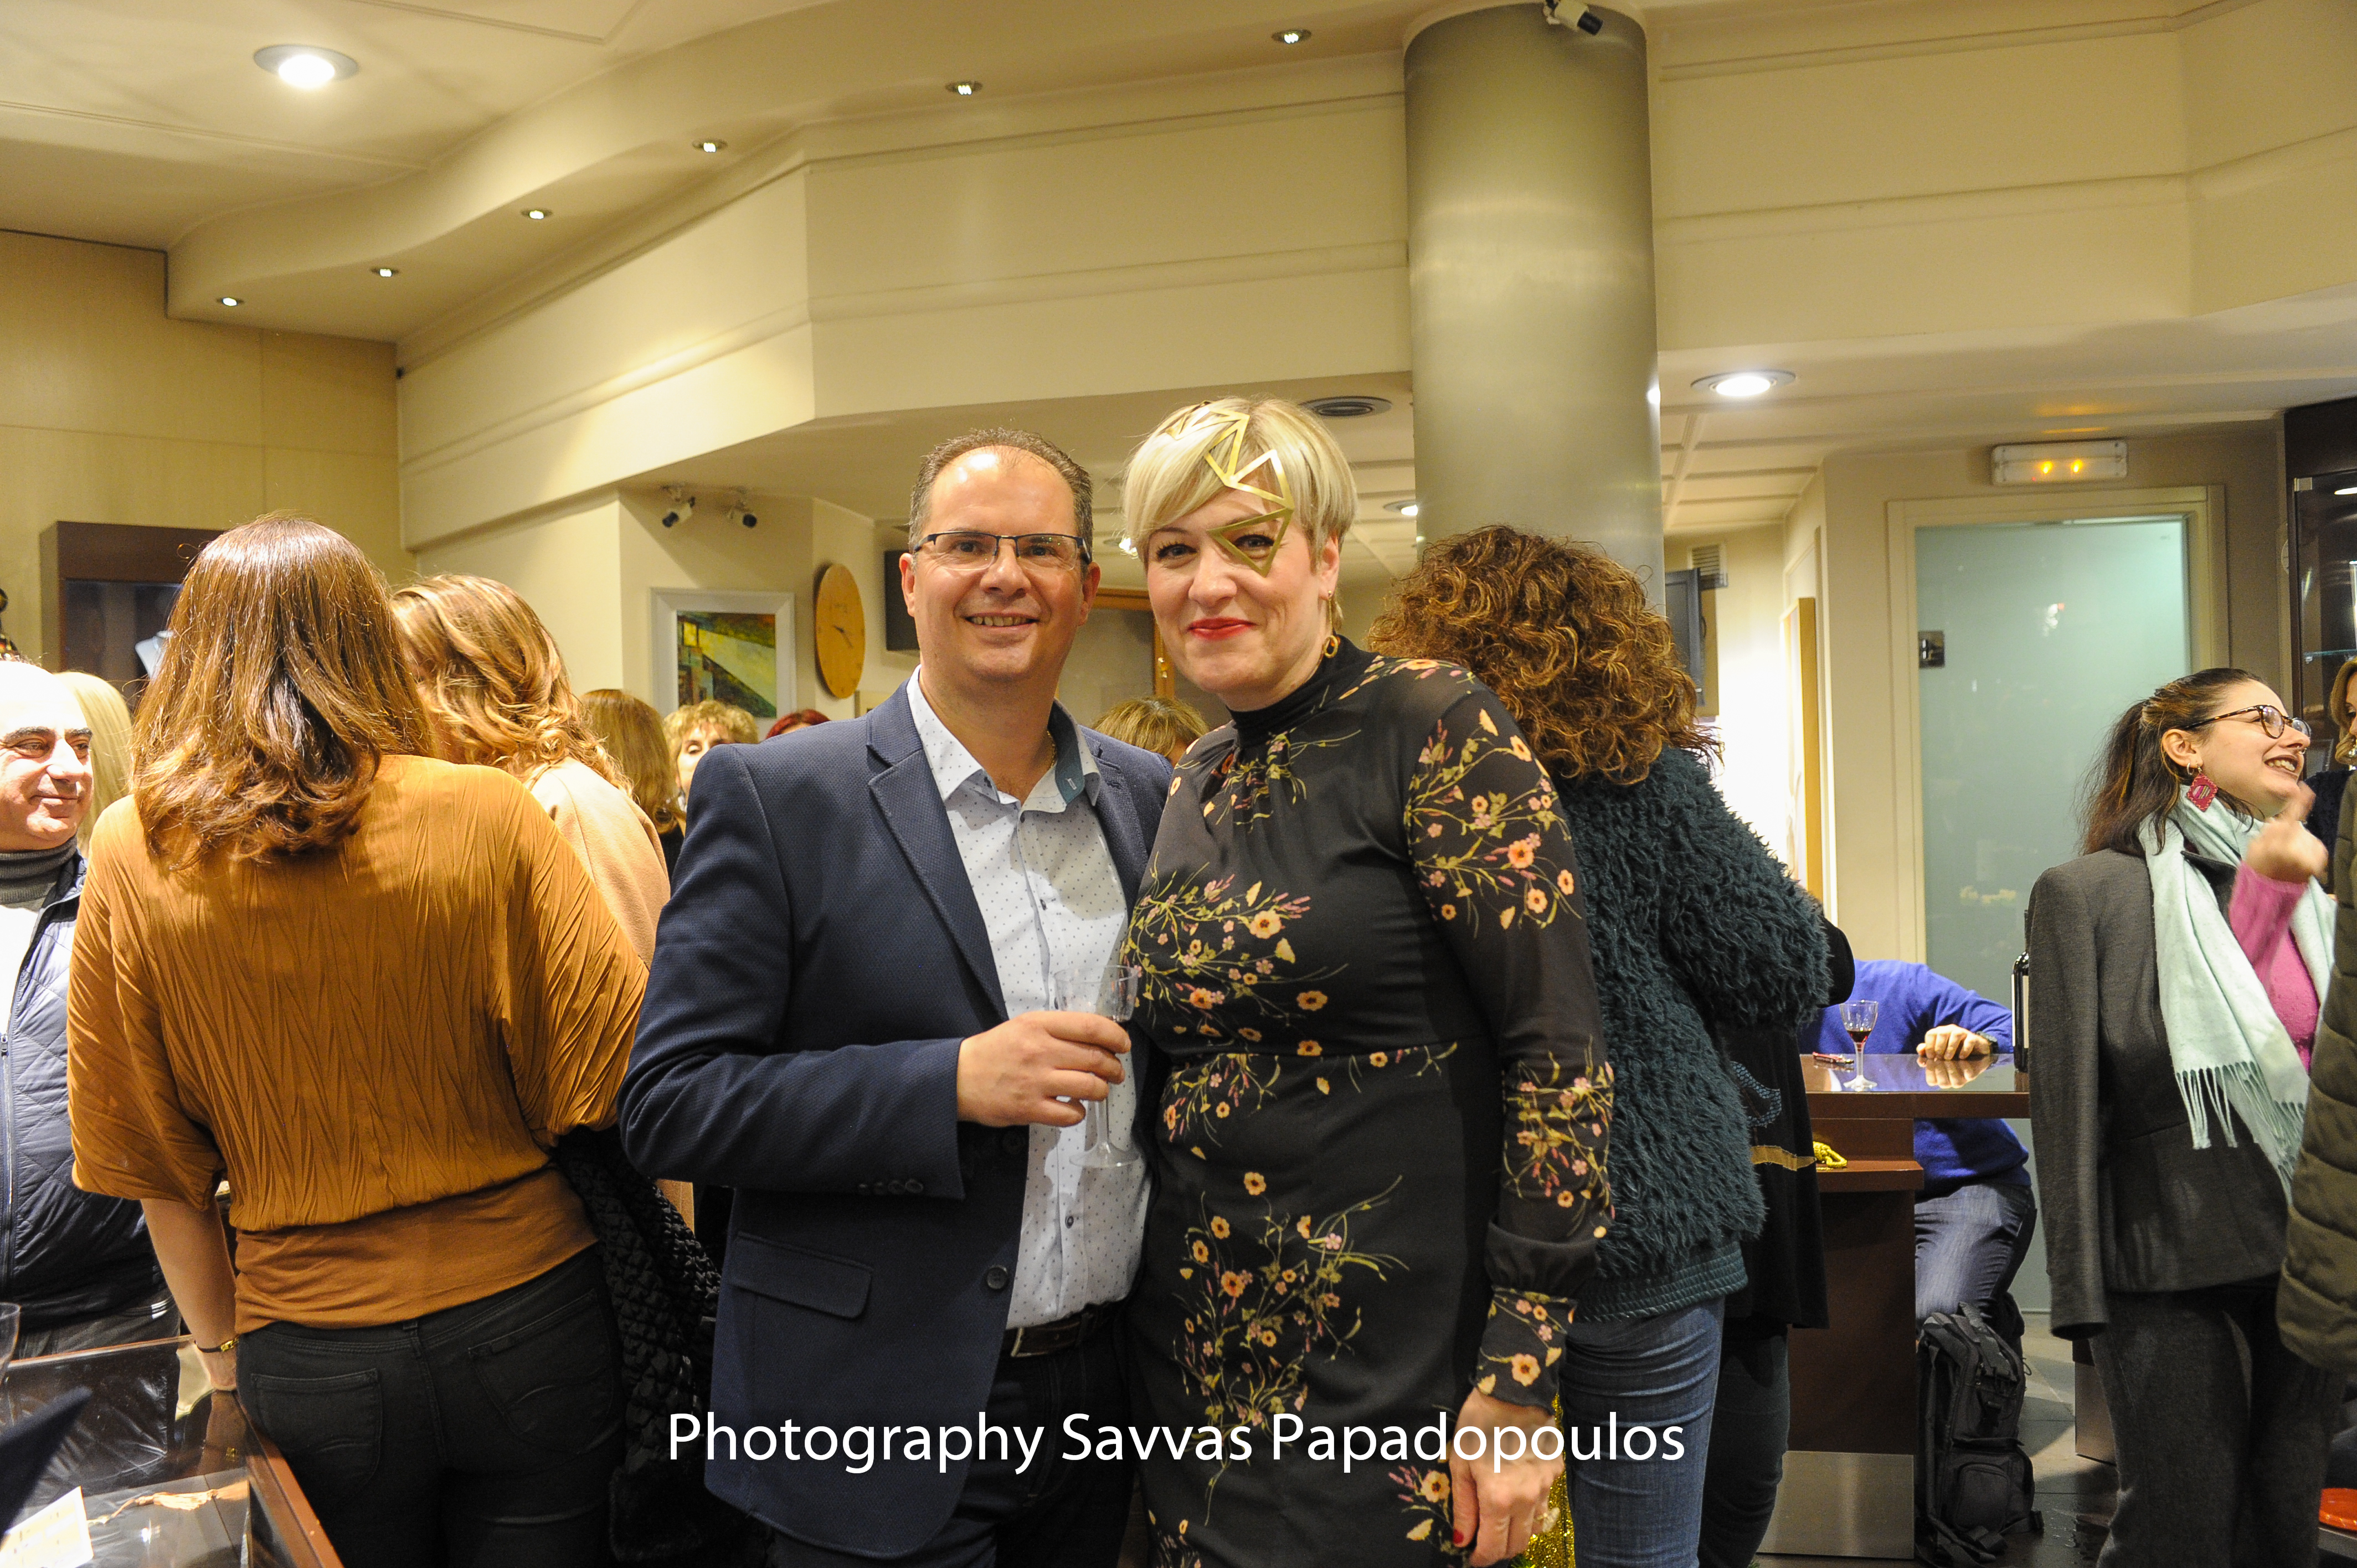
[1047, 1338]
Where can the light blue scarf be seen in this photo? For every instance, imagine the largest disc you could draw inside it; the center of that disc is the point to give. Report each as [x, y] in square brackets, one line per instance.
[2232, 1055]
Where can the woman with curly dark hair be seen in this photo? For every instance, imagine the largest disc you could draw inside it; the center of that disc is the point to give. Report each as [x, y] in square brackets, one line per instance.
[1694, 928]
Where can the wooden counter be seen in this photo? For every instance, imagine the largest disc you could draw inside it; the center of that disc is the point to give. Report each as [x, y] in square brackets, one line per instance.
[1850, 1476]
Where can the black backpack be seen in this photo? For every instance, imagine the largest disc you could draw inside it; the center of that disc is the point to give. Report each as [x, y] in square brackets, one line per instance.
[1973, 1482]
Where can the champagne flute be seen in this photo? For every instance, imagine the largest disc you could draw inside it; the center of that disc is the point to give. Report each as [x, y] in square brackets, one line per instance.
[1115, 997]
[1858, 1023]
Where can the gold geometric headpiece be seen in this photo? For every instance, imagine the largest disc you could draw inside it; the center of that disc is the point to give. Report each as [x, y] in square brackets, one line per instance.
[1224, 458]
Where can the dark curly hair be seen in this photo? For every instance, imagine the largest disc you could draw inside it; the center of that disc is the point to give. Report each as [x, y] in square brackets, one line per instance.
[1565, 638]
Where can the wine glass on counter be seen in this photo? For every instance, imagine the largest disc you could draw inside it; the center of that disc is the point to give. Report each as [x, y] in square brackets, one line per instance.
[1858, 1023]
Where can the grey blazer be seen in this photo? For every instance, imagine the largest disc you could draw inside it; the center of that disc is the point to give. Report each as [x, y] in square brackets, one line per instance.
[2129, 1204]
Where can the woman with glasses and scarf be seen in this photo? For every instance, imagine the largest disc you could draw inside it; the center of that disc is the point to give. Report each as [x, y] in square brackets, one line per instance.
[2175, 969]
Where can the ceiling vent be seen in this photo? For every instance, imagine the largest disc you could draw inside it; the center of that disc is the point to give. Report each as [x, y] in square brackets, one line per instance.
[1349, 407]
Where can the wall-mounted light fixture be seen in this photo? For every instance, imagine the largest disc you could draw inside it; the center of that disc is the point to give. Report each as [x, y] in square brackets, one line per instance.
[2059, 462]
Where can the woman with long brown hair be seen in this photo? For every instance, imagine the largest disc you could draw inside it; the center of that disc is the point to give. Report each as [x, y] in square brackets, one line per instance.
[495, 691]
[1695, 927]
[372, 989]
[2175, 969]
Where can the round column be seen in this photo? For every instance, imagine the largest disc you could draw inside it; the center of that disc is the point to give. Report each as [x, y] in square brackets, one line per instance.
[1531, 279]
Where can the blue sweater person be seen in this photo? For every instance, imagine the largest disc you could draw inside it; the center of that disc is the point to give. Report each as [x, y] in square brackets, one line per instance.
[1975, 1218]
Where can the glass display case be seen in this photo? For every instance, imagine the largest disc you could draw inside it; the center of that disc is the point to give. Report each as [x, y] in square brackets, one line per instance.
[170, 1474]
[2324, 592]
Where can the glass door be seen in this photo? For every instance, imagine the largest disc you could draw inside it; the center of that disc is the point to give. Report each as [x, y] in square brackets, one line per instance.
[2034, 637]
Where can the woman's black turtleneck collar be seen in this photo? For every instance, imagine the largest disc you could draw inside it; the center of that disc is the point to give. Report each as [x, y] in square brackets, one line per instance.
[1344, 661]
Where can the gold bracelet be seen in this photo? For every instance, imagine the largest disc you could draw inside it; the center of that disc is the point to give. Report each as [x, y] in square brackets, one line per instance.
[221, 1349]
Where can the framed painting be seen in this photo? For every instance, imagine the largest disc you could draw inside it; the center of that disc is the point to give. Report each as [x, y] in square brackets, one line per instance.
[730, 646]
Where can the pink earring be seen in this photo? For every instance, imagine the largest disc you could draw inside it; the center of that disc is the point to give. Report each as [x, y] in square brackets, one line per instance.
[2201, 791]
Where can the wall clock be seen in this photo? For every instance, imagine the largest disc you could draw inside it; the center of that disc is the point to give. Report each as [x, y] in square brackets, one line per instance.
[840, 630]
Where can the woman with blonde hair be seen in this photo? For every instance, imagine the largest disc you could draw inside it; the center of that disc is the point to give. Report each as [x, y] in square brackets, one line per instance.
[696, 728]
[631, 734]
[494, 687]
[1385, 1104]
[373, 989]
[1164, 725]
[110, 745]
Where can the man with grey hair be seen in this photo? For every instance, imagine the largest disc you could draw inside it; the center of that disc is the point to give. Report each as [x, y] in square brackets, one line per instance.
[871, 1012]
[78, 1264]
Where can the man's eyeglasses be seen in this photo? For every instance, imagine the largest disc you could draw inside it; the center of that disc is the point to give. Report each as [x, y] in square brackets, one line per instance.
[971, 550]
[2269, 717]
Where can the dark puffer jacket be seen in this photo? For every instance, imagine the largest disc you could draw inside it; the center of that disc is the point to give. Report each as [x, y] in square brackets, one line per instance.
[69, 1254]
[2316, 1309]
[1692, 924]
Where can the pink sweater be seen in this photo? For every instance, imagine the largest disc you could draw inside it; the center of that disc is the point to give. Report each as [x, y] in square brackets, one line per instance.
[2260, 913]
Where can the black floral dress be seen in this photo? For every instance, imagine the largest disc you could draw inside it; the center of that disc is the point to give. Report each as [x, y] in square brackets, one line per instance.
[1381, 1143]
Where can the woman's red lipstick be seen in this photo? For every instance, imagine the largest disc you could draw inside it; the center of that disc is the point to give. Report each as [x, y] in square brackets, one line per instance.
[1212, 628]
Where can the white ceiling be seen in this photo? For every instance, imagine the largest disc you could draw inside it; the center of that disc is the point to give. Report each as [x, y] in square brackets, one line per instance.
[145, 123]
[132, 121]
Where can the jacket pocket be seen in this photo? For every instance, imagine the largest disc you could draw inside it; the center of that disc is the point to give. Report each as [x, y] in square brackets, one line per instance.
[556, 1383]
[837, 1286]
[331, 1429]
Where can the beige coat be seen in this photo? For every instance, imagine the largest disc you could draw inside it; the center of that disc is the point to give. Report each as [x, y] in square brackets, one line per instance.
[615, 840]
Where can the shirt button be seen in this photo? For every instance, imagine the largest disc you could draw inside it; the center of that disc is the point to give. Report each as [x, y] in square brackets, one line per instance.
[995, 1277]
[1068, 1221]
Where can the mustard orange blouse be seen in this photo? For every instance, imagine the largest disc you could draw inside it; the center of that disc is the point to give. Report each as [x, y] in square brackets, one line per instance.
[376, 1044]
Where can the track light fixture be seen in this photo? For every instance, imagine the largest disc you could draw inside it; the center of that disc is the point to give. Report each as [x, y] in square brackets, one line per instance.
[682, 506]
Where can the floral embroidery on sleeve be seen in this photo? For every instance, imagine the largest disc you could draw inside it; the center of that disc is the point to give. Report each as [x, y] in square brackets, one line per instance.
[1485, 850]
[1558, 1153]
[1521, 1345]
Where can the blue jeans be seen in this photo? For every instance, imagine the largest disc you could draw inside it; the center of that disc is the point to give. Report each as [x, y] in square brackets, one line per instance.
[1658, 1374]
[1969, 1244]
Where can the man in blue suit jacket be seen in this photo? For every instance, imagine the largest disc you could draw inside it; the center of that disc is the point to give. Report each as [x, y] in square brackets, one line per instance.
[852, 1019]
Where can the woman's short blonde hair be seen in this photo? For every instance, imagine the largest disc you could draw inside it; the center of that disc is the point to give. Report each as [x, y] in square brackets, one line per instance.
[1163, 726]
[1203, 449]
[109, 744]
[731, 724]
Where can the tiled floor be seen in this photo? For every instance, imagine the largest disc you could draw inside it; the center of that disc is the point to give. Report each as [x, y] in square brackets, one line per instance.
[2076, 1495]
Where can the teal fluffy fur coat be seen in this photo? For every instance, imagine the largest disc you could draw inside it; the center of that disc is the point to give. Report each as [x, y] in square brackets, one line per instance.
[1692, 923]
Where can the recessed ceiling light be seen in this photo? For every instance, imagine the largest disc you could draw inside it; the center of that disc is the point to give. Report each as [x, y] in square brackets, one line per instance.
[301, 65]
[1127, 547]
[231, 301]
[965, 88]
[708, 145]
[1405, 508]
[1291, 36]
[537, 213]
[386, 272]
[1744, 384]
[1350, 405]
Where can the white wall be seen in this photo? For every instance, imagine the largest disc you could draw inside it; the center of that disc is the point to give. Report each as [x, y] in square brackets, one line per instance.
[1743, 618]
